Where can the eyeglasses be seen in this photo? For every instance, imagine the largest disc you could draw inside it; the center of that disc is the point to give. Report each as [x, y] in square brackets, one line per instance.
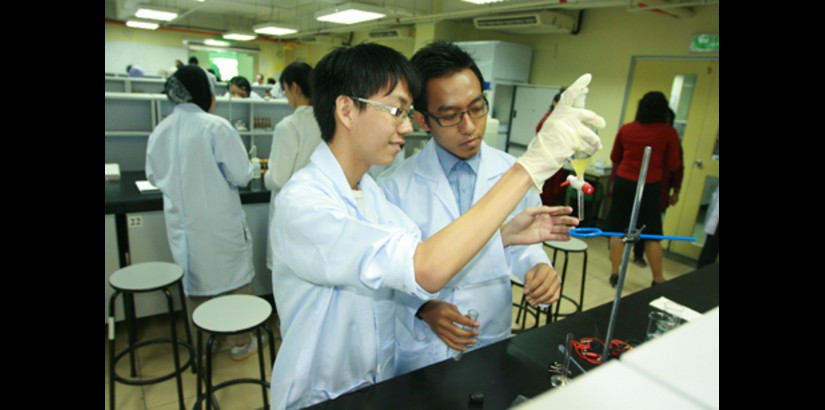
[396, 112]
[451, 120]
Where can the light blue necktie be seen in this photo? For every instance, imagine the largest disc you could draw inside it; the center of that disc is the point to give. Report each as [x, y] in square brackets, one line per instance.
[461, 181]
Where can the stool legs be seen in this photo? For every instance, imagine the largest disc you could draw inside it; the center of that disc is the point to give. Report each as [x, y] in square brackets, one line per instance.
[199, 361]
[131, 318]
[111, 332]
[521, 315]
[579, 305]
[209, 345]
[563, 279]
[261, 364]
[186, 323]
[128, 301]
[206, 372]
[175, 353]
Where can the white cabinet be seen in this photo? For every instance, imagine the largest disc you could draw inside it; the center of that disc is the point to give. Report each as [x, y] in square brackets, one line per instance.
[135, 85]
[500, 60]
[530, 103]
[128, 115]
[130, 118]
[503, 65]
[257, 218]
[148, 243]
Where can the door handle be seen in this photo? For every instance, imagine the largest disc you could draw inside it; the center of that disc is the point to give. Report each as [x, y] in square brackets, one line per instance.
[698, 164]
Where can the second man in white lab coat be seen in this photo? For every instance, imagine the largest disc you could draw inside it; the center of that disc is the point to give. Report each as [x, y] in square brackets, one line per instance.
[453, 171]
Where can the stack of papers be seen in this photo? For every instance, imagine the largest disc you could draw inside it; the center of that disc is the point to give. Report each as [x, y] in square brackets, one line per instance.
[669, 306]
[146, 187]
[112, 172]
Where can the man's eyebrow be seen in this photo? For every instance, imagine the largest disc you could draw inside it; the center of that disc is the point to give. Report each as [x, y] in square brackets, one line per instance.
[453, 107]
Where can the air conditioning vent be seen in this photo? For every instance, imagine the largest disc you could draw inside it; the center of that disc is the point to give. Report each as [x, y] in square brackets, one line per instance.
[540, 22]
[321, 39]
[397, 33]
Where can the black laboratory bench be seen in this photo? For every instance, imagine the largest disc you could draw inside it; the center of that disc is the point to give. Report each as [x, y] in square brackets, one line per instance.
[122, 197]
[519, 365]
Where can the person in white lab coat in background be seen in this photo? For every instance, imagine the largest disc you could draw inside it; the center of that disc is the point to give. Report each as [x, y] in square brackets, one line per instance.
[340, 249]
[198, 161]
[295, 136]
[439, 184]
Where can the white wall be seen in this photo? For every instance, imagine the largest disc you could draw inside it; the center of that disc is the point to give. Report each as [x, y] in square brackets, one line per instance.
[152, 58]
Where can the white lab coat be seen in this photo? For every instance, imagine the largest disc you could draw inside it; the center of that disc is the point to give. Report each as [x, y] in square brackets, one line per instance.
[420, 188]
[198, 160]
[334, 272]
[293, 141]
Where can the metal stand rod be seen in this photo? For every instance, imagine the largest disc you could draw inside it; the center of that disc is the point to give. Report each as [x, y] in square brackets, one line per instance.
[633, 236]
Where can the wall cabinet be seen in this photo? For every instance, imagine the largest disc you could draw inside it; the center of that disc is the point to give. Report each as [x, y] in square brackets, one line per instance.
[130, 118]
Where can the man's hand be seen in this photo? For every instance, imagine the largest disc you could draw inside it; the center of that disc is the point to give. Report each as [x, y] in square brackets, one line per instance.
[542, 285]
[538, 224]
[563, 133]
[442, 318]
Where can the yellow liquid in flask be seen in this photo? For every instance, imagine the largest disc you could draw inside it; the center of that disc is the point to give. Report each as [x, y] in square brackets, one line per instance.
[580, 165]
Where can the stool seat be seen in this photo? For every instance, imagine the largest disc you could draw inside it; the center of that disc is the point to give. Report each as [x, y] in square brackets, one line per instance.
[231, 313]
[147, 276]
[573, 245]
[139, 278]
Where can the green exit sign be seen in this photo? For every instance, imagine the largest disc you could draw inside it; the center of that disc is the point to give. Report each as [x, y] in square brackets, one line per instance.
[705, 43]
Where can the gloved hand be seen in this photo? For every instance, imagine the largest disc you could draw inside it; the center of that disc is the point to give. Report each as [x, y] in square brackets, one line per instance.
[563, 133]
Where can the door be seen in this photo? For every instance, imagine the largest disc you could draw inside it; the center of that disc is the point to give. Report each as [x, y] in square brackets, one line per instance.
[529, 105]
[692, 87]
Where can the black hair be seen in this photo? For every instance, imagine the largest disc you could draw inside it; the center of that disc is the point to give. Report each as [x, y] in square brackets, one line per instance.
[193, 60]
[197, 84]
[271, 80]
[297, 72]
[359, 71]
[671, 116]
[652, 108]
[438, 59]
[242, 83]
[556, 99]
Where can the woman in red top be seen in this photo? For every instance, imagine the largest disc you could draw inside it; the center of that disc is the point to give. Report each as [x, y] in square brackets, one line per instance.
[649, 129]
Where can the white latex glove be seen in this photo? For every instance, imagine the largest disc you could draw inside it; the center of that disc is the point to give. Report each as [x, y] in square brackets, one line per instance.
[563, 133]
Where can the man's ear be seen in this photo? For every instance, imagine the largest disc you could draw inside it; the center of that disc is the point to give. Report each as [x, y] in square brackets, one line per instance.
[345, 110]
[294, 88]
[421, 121]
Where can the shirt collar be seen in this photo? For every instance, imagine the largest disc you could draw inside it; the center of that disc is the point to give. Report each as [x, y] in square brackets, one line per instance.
[448, 160]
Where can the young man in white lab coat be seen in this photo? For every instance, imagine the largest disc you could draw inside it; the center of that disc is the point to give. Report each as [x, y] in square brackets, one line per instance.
[341, 250]
[436, 186]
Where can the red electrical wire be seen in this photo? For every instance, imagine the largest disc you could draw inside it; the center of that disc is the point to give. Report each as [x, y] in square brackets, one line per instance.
[591, 348]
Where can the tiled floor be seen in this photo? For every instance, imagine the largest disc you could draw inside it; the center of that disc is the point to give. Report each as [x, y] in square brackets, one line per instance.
[155, 360]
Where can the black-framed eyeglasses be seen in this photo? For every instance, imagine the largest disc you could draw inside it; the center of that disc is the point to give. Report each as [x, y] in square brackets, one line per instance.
[396, 112]
[477, 110]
